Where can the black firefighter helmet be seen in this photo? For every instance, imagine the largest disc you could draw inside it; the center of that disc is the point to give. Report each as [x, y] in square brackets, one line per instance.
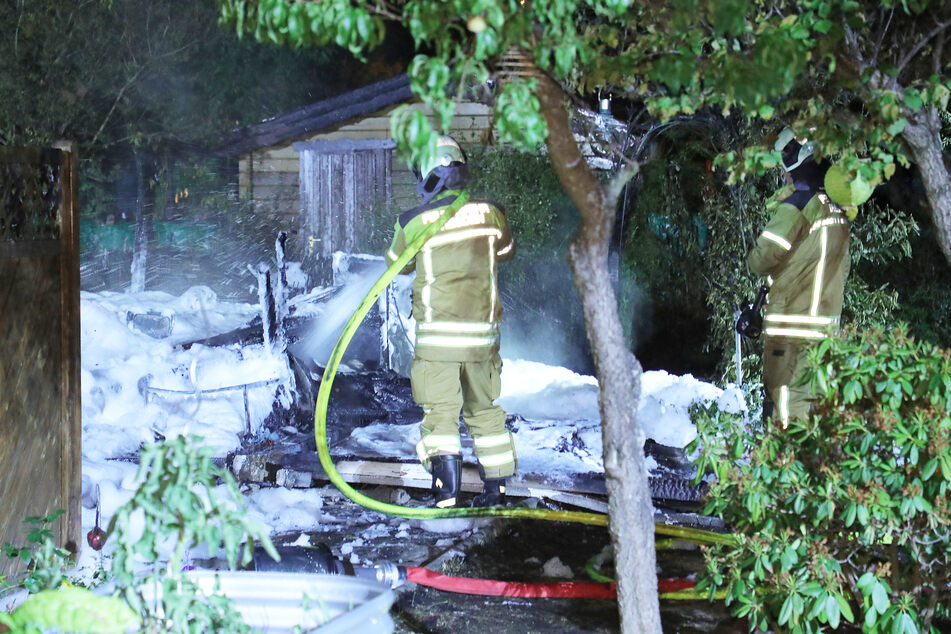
[445, 169]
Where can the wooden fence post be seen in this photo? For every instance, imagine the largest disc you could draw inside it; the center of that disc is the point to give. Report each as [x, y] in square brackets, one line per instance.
[72, 353]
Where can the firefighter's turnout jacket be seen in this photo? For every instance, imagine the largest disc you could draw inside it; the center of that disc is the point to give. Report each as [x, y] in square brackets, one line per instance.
[458, 314]
[455, 296]
[804, 254]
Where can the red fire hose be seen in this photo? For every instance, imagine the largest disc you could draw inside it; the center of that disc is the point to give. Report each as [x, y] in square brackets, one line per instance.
[554, 590]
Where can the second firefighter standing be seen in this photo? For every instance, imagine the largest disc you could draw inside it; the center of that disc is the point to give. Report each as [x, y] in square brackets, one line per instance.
[458, 312]
[804, 254]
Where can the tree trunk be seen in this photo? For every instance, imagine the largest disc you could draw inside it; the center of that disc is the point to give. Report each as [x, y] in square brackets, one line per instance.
[618, 371]
[923, 139]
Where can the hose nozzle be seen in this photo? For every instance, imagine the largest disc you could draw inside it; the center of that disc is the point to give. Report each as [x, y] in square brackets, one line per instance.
[750, 322]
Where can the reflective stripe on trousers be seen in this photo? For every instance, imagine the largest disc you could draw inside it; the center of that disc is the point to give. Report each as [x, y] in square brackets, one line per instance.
[444, 389]
[784, 363]
[496, 452]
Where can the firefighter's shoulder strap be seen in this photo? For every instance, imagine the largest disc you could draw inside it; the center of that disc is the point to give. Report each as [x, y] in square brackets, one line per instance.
[408, 215]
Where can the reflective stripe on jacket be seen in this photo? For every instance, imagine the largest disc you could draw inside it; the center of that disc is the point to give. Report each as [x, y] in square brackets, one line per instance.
[805, 255]
[455, 295]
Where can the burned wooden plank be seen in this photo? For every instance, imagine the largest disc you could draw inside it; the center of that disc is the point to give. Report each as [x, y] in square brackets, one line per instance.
[296, 463]
[414, 476]
[270, 467]
[319, 116]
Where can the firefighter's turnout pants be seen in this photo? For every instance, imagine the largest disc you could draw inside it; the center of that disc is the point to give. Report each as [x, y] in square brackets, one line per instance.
[442, 389]
[784, 363]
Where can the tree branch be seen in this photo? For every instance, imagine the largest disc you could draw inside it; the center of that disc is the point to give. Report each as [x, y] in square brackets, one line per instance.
[614, 187]
[385, 10]
[938, 54]
[183, 47]
[921, 44]
[579, 182]
[853, 43]
[881, 36]
[16, 31]
[115, 103]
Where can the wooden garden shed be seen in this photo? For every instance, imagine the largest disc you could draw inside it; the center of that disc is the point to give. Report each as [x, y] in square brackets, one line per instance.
[328, 174]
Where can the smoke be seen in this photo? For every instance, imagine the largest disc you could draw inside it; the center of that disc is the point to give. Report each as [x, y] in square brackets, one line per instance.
[543, 320]
[208, 238]
[548, 343]
[357, 277]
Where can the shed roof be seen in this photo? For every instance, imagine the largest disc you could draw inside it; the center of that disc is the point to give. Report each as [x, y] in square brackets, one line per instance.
[318, 116]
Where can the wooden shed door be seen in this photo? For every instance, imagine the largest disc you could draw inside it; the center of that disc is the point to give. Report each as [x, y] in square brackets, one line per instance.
[40, 428]
[343, 184]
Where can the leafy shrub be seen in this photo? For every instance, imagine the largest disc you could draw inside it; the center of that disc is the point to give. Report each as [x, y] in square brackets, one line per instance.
[175, 508]
[176, 499]
[844, 516]
[542, 217]
[71, 609]
[46, 562]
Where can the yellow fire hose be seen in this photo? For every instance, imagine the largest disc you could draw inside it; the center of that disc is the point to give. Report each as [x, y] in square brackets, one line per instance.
[320, 427]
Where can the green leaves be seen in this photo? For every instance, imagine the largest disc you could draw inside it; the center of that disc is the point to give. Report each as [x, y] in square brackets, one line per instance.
[350, 26]
[875, 591]
[414, 134]
[518, 115]
[73, 610]
[832, 611]
[176, 507]
[728, 18]
[897, 126]
[46, 563]
[565, 58]
[790, 610]
[844, 514]
[428, 76]
[674, 70]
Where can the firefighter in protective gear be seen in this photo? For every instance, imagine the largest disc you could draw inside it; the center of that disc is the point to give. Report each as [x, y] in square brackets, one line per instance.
[458, 312]
[804, 254]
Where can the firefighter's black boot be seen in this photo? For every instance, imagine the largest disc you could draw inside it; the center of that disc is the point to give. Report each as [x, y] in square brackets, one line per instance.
[447, 479]
[493, 493]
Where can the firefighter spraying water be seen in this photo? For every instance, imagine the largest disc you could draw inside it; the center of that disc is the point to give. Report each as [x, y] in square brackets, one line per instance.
[458, 319]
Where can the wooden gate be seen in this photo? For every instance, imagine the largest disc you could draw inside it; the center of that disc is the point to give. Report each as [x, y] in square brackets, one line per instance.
[40, 427]
[341, 182]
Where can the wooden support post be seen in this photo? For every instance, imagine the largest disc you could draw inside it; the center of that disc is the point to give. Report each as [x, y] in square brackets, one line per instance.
[72, 467]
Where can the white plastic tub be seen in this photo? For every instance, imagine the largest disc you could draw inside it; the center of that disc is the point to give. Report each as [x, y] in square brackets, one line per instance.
[277, 602]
